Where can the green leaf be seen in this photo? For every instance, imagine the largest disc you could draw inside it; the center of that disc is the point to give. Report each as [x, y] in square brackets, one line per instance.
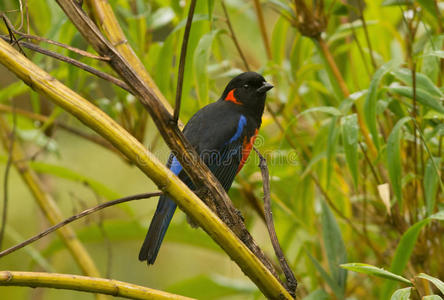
[334, 246]
[332, 140]
[431, 178]
[201, 57]
[339, 293]
[318, 294]
[371, 99]
[422, 97]
[62, 172]
[13, 90]
[325, 109]
[394, 159]
[396, 2]
[405, 249]
[372, 270]
[403, 252]
[437, 282]
[422, 81]
[437, 53]
[350, 130]
[431, 297]
[402, 294]
[211, 287]
[279, 39]
[429, 6]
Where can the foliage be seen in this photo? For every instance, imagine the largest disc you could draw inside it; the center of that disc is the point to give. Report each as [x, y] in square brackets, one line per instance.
[330, 149]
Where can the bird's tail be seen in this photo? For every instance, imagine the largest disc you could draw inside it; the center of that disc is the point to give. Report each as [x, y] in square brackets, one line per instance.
[158, 227]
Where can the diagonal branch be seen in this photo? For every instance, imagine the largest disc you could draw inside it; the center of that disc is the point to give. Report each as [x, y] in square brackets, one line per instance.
[289, 275]
[76, 217]
[183, 55]
[73, 62]
[46, 203]
[83, 283]
[98, 121]
[206, 183]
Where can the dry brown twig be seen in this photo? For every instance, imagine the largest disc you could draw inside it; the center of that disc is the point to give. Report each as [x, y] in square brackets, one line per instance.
[208, 187]
[76, 217]
[289, 275]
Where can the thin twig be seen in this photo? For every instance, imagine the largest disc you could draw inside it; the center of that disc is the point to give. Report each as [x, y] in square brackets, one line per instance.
[6, 178]
[68, 47]
[76, 217]
[291, 280]
[183, 55]
[364, 25]
[74, 62]
[262, 27]
[233, 37]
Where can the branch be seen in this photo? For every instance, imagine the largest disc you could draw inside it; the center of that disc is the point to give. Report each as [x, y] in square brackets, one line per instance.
[76, 217]
[183, 55]
[106, 20]
[6, 178]
[204, 180]
[233, 37]
[46, 203]
[98, 121]
[291, 279]
[262, 27]
[74, 62]
[83, 283]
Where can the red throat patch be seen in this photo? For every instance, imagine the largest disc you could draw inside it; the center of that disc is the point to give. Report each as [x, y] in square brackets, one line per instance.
[230, 97]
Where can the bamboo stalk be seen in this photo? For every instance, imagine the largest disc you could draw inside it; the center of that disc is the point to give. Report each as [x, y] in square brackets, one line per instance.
[207, 185]
[83, 283]
[107, 22]
[47, 204]
[97, 120]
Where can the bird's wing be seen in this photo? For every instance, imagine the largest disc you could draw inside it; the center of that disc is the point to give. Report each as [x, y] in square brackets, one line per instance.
[218, 134]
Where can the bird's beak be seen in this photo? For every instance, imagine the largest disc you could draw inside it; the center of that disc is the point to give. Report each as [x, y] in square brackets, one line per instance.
[265, 87]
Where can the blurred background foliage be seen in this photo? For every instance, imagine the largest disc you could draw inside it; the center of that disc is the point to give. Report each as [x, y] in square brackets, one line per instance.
[355, 154]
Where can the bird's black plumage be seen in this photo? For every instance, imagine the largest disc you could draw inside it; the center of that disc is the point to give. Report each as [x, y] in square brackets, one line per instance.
[222, 133]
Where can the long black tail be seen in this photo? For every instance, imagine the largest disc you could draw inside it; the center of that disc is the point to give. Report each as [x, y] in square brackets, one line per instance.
[158, 227]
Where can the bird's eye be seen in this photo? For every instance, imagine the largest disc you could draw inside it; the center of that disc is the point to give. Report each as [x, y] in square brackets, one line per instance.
[246, 86]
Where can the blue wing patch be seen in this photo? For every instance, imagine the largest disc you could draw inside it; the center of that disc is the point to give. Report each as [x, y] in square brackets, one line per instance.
[175, 166]
[240, 128]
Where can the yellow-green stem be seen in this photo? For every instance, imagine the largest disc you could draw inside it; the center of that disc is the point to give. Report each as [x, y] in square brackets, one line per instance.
[85, 284]
[47, 204]
[97, 120]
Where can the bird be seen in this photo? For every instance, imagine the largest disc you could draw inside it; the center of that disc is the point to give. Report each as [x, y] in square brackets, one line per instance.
[222, 133]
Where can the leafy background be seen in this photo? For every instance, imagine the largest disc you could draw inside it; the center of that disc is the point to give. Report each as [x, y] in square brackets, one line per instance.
[334, 200]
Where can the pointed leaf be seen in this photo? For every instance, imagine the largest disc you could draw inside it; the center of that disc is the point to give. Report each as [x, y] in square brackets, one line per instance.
[437, 282]
[422, 81]
[339, 293]
[200, 61]
[372, 270]
[430, 184]
[431, 297]
[325, 109]
[422, 96]
[402, 294]
[371, 99]
[350, 130]
[334, 246]
[394, 159]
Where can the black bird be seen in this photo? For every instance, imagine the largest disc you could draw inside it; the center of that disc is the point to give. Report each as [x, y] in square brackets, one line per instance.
[222, 133]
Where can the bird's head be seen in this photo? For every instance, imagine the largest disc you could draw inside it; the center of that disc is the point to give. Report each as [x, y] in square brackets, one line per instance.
[248, 90]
